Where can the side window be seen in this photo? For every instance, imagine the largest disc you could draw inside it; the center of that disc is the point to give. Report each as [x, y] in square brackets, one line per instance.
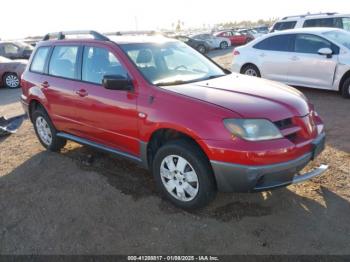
[11, 49]
[98, 62]
[280, 26]
[63, 62]
[38, 64]
[346, 23]
[310, 44]
[323, 22]
[281, 43]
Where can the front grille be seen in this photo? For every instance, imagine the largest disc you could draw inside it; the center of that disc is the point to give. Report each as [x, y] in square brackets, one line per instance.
[285, 123]
[296, 129]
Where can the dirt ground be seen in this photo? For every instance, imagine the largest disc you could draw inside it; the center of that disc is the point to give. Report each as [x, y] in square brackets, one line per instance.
[67, 204]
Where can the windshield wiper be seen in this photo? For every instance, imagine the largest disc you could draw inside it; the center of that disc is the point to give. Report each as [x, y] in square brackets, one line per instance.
[213, 76]
[172, 83]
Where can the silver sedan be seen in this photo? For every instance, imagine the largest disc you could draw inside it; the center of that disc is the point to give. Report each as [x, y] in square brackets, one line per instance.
[213, 41]
[309, 57]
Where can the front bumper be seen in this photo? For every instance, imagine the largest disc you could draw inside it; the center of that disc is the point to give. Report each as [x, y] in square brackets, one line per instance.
[241, 178]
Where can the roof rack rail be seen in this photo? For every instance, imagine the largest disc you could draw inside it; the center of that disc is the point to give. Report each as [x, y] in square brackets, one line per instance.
[294, 16]
[144, 32]
[62, 35]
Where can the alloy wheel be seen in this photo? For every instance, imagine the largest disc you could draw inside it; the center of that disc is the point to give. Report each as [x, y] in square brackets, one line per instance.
[12, 81]
[44, 130]
[179, 178]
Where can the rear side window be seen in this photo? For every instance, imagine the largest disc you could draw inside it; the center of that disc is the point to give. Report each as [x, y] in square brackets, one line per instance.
[63, 62]
[98, 62]
[38, 64]
[281, 43]
[280, 26]
[311, 44]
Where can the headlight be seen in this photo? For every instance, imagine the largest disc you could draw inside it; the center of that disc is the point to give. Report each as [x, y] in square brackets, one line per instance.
[253, 129]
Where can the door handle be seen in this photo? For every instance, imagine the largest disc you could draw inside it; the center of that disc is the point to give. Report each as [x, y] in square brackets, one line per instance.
[45, 84]
[82, 93]
[295, 58]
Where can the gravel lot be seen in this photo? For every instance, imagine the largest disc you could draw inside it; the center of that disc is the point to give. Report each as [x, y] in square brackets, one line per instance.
[66, 204]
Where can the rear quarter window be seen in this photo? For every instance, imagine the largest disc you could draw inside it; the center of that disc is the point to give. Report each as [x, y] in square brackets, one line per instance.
[280, 26]
[39, 60]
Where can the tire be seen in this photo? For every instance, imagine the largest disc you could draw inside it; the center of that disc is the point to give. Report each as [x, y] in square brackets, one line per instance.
[202, 49]
[251, 70]
[223, 45]
[11, 80]
[46, 132]
[183, 189]
[345, 90]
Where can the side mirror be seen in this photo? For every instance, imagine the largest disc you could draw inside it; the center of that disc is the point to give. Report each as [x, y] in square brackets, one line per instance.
[326, 52]
[117, 82]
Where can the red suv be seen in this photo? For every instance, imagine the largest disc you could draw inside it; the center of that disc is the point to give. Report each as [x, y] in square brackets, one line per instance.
[197, 127]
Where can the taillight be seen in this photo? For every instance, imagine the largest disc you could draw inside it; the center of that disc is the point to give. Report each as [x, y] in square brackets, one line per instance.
[236, 52]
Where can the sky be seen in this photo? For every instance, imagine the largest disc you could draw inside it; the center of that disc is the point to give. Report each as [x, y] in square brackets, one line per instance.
[37, 17]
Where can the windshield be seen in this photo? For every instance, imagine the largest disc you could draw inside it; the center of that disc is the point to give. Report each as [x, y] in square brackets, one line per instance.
[340, 37]
[171, 63]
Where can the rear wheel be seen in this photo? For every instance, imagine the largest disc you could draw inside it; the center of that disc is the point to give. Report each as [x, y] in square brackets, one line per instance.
[11, 80]
[223, 45]
[183, 175]
[345, 90]
[251, 70]
[45, 131]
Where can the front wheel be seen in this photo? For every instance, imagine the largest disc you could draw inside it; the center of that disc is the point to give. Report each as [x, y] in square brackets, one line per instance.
[183, 175]
[345, 90]
[11, 80]
[251, 70]
[202, 49]
[223, 45]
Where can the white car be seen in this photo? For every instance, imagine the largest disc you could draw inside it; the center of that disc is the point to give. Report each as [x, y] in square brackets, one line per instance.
[313, 57]
[213, 41]
[335, 20]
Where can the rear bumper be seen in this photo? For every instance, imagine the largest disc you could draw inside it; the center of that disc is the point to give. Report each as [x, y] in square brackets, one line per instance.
[241, 178]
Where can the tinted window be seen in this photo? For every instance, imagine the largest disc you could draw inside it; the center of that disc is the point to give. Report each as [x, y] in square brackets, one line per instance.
[98, 62]
[324, 22]
[38, 64]
[63, 62]
[311, 44]
[282, 43]
[280, 26]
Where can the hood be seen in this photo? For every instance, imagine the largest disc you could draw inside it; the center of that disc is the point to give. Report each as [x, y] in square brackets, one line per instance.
[249, 97]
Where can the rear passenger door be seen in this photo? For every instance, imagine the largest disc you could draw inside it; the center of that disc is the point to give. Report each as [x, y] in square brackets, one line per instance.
[308, 67]
[58, 87]
[108, 117]
[273, 56]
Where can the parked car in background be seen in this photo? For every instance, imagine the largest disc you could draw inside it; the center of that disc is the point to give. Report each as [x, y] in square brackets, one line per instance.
[235, 37]
[261, 29]
[250, 32]
[15, 50]
[200, 45]
[11, 71]
[213, 41]
[335, 20]
[309, 57]
[163, 105]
